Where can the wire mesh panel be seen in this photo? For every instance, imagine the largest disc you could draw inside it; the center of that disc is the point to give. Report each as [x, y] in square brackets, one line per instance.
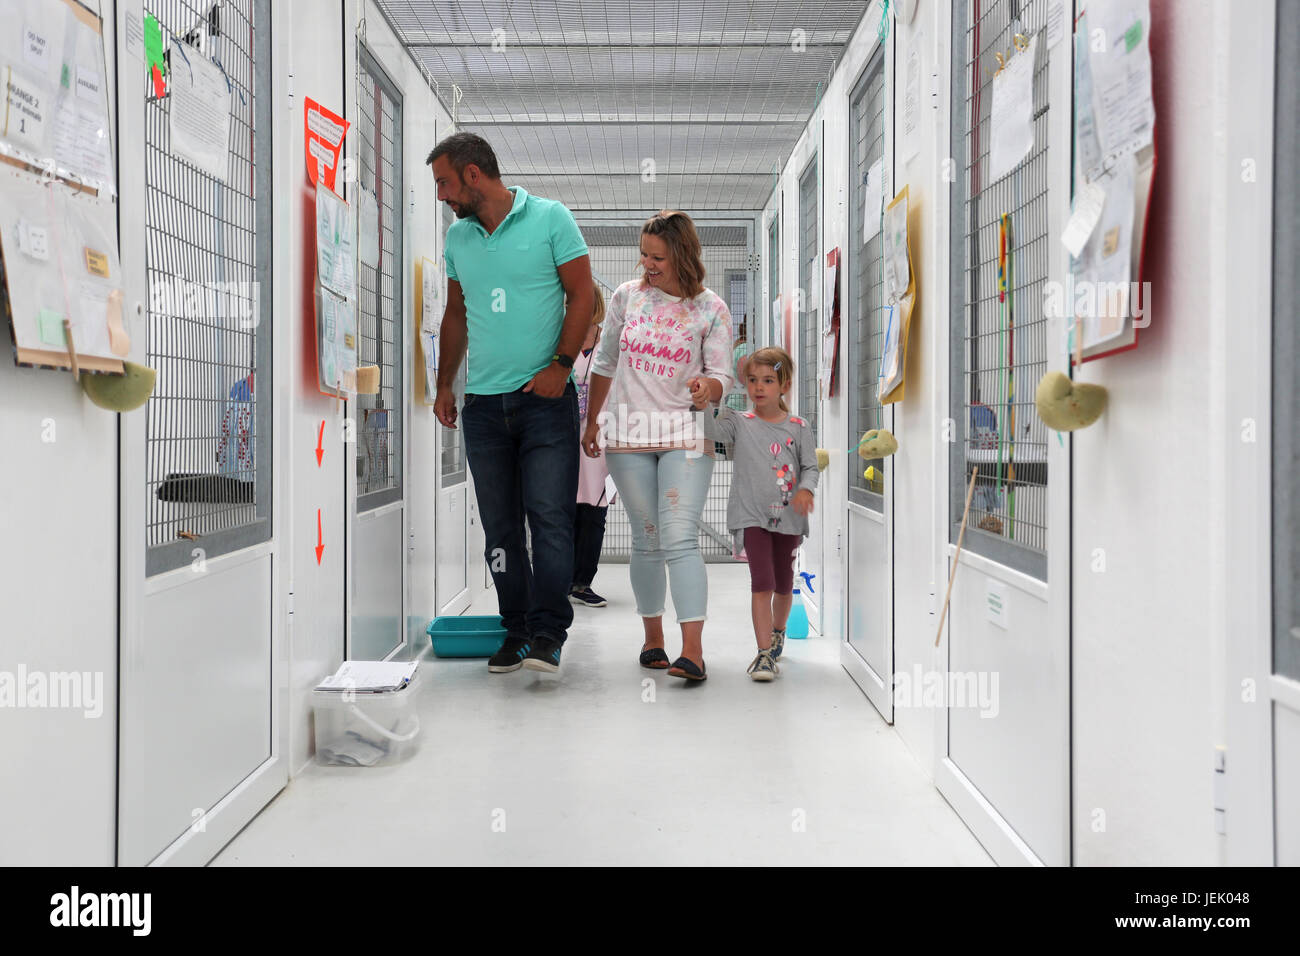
[809, 274]
[867, 313]
[379, 299]
[737, 296]
[715, 541]
[577, 95]
[999, 348]
[207, 254]
[453, 449]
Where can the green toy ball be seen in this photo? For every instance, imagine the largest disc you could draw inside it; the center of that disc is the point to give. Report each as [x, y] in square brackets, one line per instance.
[120, 393]
[877, 443]
[1065, 406]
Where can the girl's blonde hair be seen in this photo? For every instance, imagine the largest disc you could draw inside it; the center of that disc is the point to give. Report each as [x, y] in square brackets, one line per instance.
[599, 315]
[684, 251]
[779, 361]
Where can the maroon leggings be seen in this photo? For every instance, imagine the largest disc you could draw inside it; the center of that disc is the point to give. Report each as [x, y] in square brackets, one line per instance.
[771, 560]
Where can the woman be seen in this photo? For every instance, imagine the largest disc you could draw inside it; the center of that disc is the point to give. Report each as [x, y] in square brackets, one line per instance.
[589, 519]
[667, 340]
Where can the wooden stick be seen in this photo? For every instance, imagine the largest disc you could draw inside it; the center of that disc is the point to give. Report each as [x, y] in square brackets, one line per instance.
[72, 350]
[952, 575]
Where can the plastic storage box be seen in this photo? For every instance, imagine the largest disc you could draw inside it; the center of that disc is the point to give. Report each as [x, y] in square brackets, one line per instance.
[360, 729]
[467, 636]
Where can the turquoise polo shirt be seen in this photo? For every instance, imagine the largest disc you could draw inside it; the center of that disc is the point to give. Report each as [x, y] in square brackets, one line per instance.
[514, 300]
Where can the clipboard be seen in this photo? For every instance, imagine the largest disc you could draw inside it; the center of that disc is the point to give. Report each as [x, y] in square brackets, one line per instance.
[903, 310]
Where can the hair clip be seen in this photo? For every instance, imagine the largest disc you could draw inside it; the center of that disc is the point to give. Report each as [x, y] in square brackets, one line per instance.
[776, 367]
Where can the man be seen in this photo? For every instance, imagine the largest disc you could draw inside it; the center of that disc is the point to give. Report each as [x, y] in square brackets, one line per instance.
[511, 261]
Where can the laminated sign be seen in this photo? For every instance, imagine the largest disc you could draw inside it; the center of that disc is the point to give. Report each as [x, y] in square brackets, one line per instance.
[324, 132]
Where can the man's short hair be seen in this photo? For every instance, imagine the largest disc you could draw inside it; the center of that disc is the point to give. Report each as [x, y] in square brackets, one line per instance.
[464, 149]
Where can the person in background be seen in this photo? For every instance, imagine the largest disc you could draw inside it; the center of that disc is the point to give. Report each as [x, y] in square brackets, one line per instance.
[668, 339]
[736, 397]
[593, 503]
[772, 486]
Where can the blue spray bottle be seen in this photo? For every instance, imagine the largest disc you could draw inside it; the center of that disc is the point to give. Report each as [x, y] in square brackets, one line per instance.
[797, 626]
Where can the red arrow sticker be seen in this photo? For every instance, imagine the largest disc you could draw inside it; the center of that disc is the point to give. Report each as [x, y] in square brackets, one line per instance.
[320, 541]
[320, 437]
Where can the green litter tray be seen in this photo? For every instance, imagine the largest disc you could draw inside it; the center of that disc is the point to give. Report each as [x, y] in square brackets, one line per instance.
[467, 635]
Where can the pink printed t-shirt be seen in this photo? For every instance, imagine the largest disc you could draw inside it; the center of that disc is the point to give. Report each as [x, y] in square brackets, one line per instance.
[653, 345]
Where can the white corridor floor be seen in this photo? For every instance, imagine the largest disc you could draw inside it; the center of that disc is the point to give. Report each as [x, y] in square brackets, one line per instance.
[609, 763]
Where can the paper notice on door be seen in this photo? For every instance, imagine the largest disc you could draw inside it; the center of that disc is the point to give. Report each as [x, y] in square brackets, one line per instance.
[898, 274]
[26, 109]
[88, 85]
[429, 282]
[133, 33]
[1102, 273]
[323, 155]
[875, 198]
[36, 47]
[1121, 76]
[81, 144]
[1055, 22]
[1011, 125]
[912, 100]
[1088, 203]
[997, 605]
[33, 240]
[200, 114]
[429, 349]
[324, 127]
[335, 244]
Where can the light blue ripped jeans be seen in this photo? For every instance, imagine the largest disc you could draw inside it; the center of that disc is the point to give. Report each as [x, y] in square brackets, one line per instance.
[663, 493]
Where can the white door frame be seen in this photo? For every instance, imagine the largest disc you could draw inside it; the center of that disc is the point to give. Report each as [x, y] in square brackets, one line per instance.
[879, 688]
[997, 834]
[1241, 214]
[221, 822]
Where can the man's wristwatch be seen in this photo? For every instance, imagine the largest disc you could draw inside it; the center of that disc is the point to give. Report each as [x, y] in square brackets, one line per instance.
[563, 360]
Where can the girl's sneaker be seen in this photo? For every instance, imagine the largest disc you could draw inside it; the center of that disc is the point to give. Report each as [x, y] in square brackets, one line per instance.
[587, 596]
[763, 667]
[778, 643]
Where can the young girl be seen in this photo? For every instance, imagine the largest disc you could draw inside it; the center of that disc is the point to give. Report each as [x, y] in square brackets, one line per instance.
[593, 504]
[772, 485]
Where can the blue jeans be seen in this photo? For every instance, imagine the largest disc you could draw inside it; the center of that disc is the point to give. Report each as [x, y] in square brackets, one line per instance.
[664, 494]
[523, 453]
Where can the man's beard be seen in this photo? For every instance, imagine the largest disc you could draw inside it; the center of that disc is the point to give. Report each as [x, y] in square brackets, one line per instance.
[465, 210]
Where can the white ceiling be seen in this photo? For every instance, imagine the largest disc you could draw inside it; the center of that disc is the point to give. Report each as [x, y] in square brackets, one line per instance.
[614, 105]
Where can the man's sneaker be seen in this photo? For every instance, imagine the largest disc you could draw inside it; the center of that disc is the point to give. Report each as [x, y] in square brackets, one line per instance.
[511, 656]
[763, 667]
[544, 656]
[778, 643]
[587, 596]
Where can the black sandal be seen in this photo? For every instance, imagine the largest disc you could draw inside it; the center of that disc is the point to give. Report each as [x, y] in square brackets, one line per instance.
[654, 658]
[684, 667]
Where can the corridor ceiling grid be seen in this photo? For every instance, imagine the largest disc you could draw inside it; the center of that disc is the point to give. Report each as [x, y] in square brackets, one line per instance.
[578, 97]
